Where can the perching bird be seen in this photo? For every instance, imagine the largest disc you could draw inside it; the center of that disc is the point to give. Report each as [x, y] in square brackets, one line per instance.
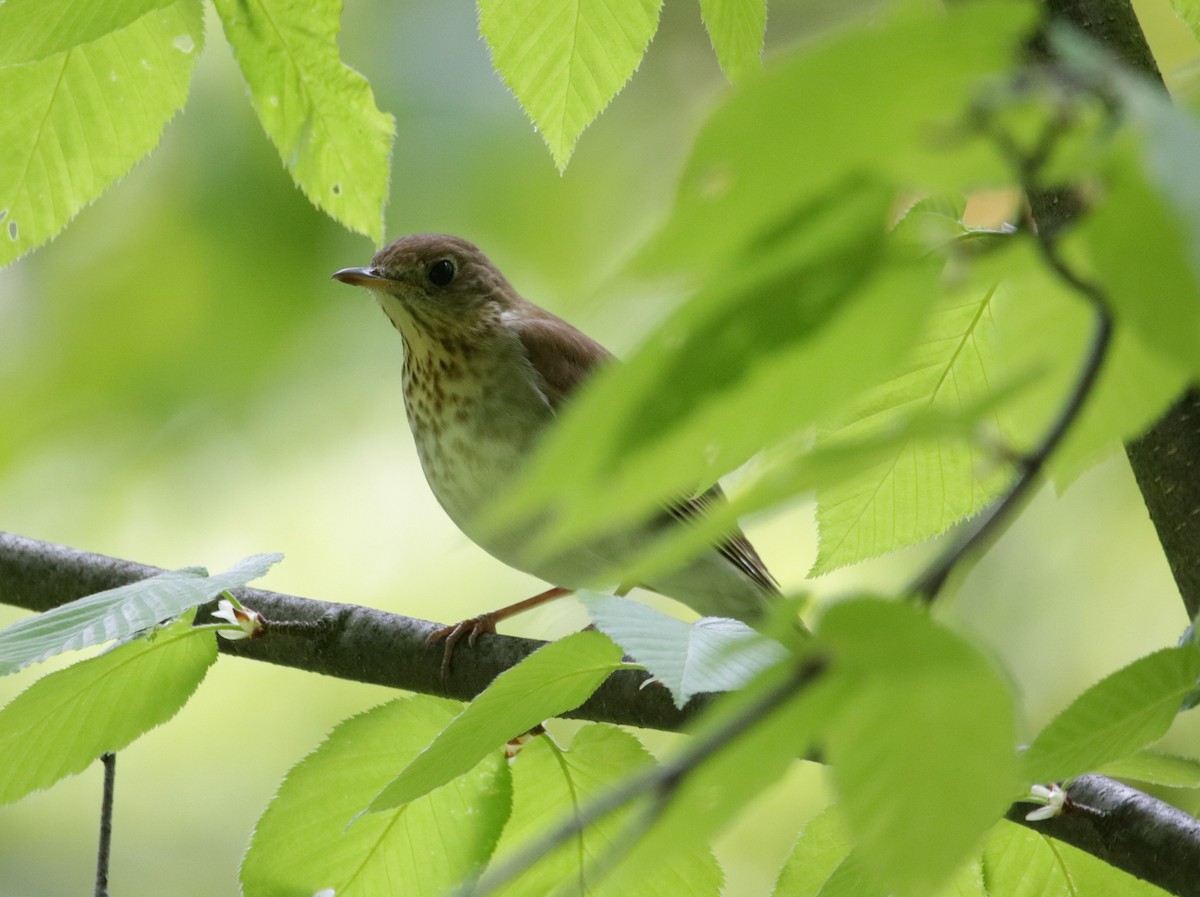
[485, 375]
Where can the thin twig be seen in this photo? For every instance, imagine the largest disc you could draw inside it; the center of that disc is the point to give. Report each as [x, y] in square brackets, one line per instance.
[106, 813]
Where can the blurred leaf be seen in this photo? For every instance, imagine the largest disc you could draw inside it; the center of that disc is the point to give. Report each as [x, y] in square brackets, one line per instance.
[819, 304]
[735, 28]
[901, 81]
[303, 844]
[565, 62]
[923, 745]
[1120, 714]
[712, 654]
[76, 121]
[119, 612]
[320, 114]
[34, 29]
[1189, 11]
[1019, 862]
[926, 485]
[1156, 768]
[550, 681]
[67, 719]
[552, 784]
[822, 846]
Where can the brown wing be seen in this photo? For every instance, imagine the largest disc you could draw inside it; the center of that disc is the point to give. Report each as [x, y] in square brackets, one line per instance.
[562, 356]
[736, 548]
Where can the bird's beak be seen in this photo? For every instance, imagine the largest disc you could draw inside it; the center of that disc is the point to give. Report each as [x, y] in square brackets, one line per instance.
[360, 277]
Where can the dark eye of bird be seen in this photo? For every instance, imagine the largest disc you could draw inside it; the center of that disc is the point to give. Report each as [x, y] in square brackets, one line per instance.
[441, 272]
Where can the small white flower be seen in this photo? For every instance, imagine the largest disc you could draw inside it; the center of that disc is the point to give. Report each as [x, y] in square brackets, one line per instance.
[1052, 797]
[249, 623]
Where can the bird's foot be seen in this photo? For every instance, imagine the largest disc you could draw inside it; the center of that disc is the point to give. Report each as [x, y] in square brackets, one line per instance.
[472, 629]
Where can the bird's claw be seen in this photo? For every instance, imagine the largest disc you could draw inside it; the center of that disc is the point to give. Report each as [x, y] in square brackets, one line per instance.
[472, 629]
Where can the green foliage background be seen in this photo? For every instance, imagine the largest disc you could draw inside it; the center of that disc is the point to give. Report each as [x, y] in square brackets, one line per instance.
[181, 383]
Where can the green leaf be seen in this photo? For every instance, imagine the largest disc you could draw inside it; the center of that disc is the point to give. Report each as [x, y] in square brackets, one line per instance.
[822, 846]
[320, 114]
[712, 654]
[1189, 11]
[922, 748]
[76, 121]
[34, 29]
[67, 719]
[736, 28]
[743, 173]
[1116, 717]
[927, 484]
[119, 612]
[566, 61]
[303, 845]
[552, 784]
[552, 680]
[1156, 768]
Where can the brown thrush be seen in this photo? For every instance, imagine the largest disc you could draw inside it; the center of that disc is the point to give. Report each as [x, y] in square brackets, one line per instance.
[485, 374]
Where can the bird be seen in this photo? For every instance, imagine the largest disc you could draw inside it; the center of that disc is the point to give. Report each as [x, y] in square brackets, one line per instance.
[485, 375]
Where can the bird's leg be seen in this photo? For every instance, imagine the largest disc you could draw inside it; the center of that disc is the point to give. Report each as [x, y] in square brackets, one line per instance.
[486, 623]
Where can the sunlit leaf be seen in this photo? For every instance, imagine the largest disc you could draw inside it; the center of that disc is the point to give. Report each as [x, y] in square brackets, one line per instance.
[117, 613]
[552, 680]
[923, 745]
[1120, 714]
[550, 785]
[76, 121]
[820, 849]
[67, 719]
[319, 113]
[34, 29]
[712, 654]
[304, 845]
[565, 61]
[1156, 768]
[735, 28]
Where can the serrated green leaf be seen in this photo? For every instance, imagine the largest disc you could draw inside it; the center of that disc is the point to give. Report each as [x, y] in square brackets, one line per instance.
[743, 171]
[927, 485]
[922, 711]
[712, 654]
[34, 29]
[566, 61]
[319, 113]
[822, 846]
[550, 784]
[303, 844]
[120, 612]
[78, 120]
[736, 28]
[1156, 768]
[67, 719]
[552, 680]
[1119, 715]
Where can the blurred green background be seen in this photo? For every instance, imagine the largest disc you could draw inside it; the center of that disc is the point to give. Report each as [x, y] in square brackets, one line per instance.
[181, 384]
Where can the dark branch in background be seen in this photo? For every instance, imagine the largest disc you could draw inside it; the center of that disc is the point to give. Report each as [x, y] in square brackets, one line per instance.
[104, 852]
[1131, 831]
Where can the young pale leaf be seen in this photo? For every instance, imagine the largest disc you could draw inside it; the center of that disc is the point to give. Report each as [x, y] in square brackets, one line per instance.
[817, 853]
[923, 746]
[903, 79]
[927, 484]
[565, 62]
[712, 654]
[303, 844]
[552, 680]
[735, 28]
[320, 114]
[1156, 768]
[1119, 715]
[120, 612]
[34, 29]
[67, 719]
[76, 121]
[550, 785]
